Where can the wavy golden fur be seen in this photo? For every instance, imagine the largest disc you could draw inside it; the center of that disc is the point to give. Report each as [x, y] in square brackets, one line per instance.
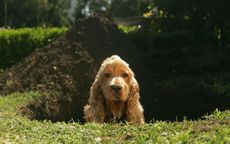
[114, 95]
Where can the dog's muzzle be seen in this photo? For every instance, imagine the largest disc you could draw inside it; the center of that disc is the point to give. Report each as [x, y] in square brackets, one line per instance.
[115, 88]
[116, 84]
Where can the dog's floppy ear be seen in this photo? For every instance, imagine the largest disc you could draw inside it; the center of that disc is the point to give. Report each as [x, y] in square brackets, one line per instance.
[134, 88]
[134, 109]
[95, 91]
[95, 111]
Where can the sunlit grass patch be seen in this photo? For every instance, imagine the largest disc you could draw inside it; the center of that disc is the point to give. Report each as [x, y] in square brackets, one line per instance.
[128, 29]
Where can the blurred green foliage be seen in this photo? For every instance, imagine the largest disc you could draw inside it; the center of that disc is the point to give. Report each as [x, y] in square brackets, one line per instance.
[189, 23]
[30, 13]
[18, 43]
[111, 8]
[127, 8]
[128, 29]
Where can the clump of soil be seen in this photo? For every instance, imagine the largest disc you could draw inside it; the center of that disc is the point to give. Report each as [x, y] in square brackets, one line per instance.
[65, 69]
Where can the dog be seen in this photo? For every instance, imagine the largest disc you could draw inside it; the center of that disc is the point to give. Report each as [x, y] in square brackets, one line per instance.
[114, 95]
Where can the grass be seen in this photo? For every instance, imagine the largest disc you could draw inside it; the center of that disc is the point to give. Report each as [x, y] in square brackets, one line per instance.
[15, 128]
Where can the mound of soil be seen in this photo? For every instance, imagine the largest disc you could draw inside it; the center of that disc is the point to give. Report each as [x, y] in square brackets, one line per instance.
[65, 69]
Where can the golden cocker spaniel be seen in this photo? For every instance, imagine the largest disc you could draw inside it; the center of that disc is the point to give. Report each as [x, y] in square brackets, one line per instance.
[114, 95]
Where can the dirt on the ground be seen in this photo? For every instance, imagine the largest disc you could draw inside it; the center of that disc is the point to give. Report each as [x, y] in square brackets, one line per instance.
[65, 69]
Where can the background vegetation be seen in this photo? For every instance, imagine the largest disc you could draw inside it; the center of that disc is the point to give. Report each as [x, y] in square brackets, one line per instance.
[30, 13]
[16, 44]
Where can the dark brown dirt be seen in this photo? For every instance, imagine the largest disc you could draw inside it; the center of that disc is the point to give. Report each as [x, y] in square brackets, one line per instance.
[65, 69]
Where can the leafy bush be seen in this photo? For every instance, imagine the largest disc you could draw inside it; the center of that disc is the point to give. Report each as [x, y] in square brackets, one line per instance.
[18, 43]
[128, 29]
[205, 23]
[31, 13]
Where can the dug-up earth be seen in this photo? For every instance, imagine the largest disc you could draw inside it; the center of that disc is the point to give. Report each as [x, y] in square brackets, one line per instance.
[65, 69]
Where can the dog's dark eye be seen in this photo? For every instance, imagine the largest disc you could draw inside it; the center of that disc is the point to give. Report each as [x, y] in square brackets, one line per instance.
[125, 75]
[108, 75]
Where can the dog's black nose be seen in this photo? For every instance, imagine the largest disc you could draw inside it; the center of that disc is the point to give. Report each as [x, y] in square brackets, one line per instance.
[116, 87]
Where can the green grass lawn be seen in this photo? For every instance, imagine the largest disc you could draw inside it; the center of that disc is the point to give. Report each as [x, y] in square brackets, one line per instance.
[15, 128]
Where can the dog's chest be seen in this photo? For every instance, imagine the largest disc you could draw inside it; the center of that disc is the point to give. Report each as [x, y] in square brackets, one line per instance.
[116, 111]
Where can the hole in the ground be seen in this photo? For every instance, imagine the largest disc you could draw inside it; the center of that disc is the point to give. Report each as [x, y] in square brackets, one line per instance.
[160, 105]
[55, 108]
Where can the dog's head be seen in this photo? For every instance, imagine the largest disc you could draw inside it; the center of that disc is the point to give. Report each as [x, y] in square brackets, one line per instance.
[115, 88]
[116, 79]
